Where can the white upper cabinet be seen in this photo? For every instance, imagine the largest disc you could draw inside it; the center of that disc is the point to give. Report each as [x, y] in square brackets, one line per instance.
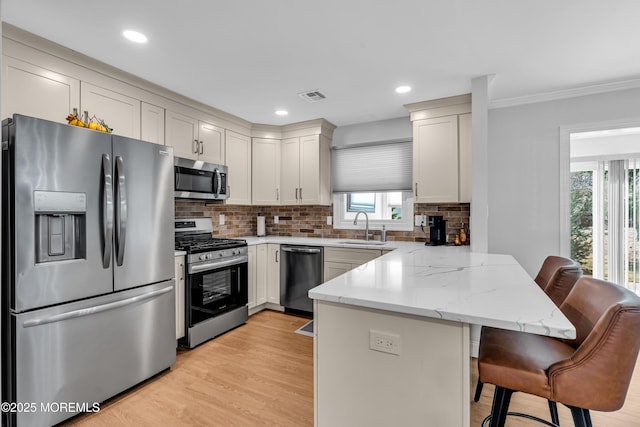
[442, 150]
[211, 139]
[290, 171]
[182, 135]
[120, 112]
[152, 123]
[305, 176]
[435, 160]
[266, 171]
[315, 170]
[238, 160]
[34, 91]
[194, 139]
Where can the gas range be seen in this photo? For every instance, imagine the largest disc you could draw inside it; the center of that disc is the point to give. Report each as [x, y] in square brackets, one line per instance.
[194, 237]
[216, 293]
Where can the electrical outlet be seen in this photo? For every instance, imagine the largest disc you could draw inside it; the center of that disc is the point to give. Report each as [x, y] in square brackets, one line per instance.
[418, 220]
[329, 220]
[221, 219]
[276, 219]
[387, 343]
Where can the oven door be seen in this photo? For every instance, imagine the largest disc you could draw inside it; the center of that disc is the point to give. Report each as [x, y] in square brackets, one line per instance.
[215, 289]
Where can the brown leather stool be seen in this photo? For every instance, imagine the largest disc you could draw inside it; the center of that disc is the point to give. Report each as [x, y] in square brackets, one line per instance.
[556, 278]
[592, 372]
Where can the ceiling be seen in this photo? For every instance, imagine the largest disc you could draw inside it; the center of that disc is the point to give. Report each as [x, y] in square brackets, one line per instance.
[252, 57]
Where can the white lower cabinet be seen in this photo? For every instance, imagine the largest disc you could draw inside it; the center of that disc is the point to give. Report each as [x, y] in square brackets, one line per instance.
[338, 261]
[264, 271]
[180, 302]
[261, 272]
[258, 275]
[252, 277]
[273, 273]
[335, 269]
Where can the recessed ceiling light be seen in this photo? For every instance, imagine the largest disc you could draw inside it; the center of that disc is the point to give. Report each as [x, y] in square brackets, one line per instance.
[134, 36]
[282, 112]
[403, 89]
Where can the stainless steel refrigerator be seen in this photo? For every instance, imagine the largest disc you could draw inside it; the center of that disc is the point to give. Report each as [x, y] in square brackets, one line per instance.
[87, 267]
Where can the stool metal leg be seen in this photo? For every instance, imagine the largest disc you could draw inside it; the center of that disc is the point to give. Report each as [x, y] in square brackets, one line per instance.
[479, 386]
[553, 410]
[500, 406]
[581, 417]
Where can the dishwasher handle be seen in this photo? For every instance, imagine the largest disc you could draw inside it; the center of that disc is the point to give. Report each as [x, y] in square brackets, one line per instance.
[301, 250]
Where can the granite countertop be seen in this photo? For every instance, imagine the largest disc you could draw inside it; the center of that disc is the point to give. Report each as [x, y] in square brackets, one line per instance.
[450, 283]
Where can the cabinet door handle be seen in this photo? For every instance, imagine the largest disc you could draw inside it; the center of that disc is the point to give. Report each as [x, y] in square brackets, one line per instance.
[300, 193]
[277, 252]
[416, 189]
[201, 147]
[277, 194]
[297, 193]
[195, 146]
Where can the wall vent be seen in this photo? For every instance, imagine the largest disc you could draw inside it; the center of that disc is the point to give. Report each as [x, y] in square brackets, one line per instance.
[312, 96]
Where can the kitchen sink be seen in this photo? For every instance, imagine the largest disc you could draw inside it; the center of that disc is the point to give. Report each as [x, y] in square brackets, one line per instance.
[362, 242]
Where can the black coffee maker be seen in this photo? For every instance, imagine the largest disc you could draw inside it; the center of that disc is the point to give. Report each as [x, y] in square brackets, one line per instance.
[437, 231]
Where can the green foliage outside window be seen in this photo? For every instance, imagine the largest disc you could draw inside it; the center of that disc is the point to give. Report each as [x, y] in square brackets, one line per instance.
[582, 220]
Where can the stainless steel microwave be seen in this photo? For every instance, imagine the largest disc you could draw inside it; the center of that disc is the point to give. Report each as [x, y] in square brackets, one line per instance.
[195, 179]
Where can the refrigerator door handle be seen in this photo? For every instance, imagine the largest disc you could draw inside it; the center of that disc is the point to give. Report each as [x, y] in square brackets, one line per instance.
[94, 310]
[121, 210]
[107, 211]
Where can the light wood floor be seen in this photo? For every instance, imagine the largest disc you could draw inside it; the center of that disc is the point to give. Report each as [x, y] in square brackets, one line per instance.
[261, 374]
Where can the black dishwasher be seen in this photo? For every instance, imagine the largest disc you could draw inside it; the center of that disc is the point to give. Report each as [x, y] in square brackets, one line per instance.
[300, 270]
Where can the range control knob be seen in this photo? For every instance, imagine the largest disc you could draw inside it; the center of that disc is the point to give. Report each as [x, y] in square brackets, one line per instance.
[202, 257]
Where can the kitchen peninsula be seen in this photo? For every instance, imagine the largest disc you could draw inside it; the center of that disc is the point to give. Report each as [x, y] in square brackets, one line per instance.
[392, 337]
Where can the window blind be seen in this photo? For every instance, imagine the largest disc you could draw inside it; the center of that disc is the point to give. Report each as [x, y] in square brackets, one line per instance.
[372, 167]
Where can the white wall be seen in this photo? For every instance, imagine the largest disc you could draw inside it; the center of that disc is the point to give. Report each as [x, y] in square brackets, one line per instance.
[524, 169]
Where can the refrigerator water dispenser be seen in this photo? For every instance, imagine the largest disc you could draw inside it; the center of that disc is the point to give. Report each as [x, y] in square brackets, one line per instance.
[60, 225]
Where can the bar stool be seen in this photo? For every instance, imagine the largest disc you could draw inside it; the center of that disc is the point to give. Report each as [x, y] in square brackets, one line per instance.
[556, 278]
[592, 372]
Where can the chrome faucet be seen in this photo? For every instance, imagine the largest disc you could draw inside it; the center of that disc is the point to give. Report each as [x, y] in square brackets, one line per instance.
[366, 225]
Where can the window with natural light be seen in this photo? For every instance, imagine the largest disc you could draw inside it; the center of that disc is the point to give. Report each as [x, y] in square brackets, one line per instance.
[394, 209]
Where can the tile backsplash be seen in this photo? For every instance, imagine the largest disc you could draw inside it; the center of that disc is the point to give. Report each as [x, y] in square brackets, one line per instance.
[310, 221]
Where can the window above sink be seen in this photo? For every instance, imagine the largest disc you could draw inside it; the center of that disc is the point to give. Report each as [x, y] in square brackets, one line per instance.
[394, 209]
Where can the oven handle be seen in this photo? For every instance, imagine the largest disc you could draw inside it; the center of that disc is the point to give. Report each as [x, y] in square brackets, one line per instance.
[199, 268]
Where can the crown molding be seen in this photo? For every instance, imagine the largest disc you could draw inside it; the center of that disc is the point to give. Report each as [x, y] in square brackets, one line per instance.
[565, 93]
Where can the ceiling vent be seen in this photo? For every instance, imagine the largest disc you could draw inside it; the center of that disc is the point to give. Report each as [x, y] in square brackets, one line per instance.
[312, 96]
